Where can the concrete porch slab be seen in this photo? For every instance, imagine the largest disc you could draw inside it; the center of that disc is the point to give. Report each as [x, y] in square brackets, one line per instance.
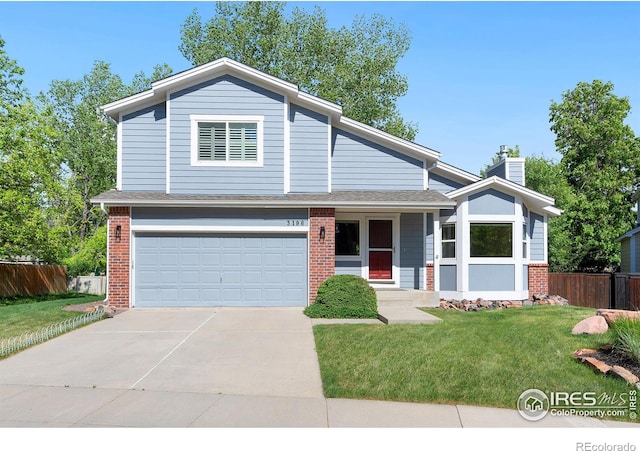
[405, 315]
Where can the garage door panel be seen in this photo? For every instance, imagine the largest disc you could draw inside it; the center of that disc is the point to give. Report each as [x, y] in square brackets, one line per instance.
[220, 270]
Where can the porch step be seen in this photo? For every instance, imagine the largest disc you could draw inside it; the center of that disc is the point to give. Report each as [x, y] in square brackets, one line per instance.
[407, 298]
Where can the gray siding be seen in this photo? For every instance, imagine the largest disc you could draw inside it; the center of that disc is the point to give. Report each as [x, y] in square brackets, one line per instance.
[201, 216]
[525, 277]
[448, 278]
[309, 151]
[227, 95]
[358, 164]
[536, 232]
[516, 172]
[492, 277]
[442, 184]
[499, 170]
[349, 267]
[429, 238]
[491, 202]
[637, 268]
[625, 255]
[445, 215]
[412, 261]
[144, 149]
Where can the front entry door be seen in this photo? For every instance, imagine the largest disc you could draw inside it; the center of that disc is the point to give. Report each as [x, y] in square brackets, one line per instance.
[380, 249]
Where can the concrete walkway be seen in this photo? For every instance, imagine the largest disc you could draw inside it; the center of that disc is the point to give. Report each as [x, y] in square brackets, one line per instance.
[207, 368]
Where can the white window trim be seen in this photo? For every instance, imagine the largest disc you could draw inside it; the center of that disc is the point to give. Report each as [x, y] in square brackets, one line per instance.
[449, 260]
[197, 118]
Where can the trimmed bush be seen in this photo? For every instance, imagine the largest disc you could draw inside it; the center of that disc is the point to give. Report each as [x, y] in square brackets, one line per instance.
[344, 296]
[626, 332]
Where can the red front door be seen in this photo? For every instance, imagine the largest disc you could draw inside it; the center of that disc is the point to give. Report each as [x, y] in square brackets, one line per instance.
[380, 249]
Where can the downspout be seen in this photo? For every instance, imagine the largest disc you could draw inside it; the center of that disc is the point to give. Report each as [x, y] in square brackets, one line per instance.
[106, 298]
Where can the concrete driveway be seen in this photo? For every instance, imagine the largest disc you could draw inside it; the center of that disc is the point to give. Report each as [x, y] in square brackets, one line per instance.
[170, 367]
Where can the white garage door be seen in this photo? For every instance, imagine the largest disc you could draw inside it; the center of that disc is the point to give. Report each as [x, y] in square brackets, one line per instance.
[211, 270]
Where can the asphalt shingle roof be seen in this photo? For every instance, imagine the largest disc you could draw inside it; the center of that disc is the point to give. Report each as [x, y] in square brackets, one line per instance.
[413, 199]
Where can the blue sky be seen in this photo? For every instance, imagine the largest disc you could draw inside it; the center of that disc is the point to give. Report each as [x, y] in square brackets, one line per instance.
[480, 74]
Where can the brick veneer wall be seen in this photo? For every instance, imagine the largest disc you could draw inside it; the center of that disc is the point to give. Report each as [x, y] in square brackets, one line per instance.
[538, 279]
[430, 277]
[118, 260]
[322, 260]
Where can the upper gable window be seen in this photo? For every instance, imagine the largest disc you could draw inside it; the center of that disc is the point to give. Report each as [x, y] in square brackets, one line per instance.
[226, 140]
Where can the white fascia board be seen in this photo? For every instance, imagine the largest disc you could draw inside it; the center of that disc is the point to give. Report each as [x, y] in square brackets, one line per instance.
[387, 139]
[456, 172]
[113, 109]
[325, 106]
[528, 194]
[629, 234]
[553, 211]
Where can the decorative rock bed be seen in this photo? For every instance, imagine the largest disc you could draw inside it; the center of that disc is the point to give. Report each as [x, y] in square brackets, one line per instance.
[481, 304]
[605, 361]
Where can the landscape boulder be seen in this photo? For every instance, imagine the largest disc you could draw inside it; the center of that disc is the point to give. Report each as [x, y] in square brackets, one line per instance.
[610, 315]
[592, 325]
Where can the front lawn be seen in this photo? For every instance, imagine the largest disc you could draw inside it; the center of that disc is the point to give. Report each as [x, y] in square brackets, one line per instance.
[485, 358]
[22, 315]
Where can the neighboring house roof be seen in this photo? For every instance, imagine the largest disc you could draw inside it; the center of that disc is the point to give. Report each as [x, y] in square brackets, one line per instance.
[352, 199]
[629, 234]
[532, 198]
[223, 66]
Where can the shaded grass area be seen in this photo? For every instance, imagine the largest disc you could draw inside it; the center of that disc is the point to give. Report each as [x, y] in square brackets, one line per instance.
[30, 314]
[485, 358]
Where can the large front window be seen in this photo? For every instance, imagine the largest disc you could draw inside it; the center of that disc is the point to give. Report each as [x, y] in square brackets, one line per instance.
[491, 240]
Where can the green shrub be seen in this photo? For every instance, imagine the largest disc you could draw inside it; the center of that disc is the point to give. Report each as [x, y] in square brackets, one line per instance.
[92, 257]
[626, 333]
[344, 296]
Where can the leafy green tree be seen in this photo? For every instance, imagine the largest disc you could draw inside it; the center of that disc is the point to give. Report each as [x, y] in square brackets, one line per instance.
[92, 257]
[29, 165]
[354, 67]
[545, 176]
[601, 163]
[87, 145]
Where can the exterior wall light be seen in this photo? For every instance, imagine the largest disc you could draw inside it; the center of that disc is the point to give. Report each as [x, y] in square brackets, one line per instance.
[118, 232]
[322, 232]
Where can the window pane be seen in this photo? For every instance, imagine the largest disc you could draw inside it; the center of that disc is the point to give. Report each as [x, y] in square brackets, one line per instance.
[204, 141]
[243, 142]
[448, 231]
[348, 238]
[380, 234]
[491, 240]
[449, 249]
[219, 141]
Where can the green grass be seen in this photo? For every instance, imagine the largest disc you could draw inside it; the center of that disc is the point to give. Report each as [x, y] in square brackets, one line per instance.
[485, 358]
[22, 315]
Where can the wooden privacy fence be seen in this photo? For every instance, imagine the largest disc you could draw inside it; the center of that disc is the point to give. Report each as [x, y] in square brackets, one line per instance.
[31, 280]
[618, 290]
[585, 290]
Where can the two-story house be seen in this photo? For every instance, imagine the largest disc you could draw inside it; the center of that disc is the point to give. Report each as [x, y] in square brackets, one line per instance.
[235, 188]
